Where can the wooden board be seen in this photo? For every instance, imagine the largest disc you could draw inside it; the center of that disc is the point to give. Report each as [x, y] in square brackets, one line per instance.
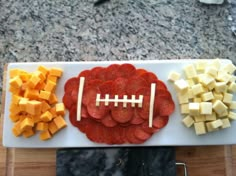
[207, 160]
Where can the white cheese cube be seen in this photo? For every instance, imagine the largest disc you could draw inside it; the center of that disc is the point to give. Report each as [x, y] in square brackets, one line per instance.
[232, 105]
[232, 79]
[205, 108]
[190, 82]
[215, 63]
[200, 128]
[207, 96]
[210, 128]
[226, 123]
[194, 109]
[184, 108]
[183, 98]
[223, 114]
[197, 89]
[216, 123]
[211, 86]
[223, 77]
[200, 118]
[227, 99]
[201, 65]
[197, 100]
[211, 116]
[218, 96]
[219, 107]
[229, 68]
[190, 94]
[232, 115]
[220, 87]
[173, 76]
[188, 121]
[190, 71]
[211, 71]
[206, 79]
[181, 85]
[232, 87]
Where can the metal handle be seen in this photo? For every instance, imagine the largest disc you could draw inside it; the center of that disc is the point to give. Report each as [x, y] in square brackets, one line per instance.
[184, 166]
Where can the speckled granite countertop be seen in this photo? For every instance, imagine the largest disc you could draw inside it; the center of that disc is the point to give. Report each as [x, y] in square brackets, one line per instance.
[45, 30]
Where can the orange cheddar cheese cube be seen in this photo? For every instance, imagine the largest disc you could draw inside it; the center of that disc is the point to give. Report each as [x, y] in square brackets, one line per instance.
[56, 72]
[15, 99]
[53, 99]
[32, 94]
[14, 118]
[40, 75]
[60, 109]
[43, 70]
[16, 129]
[45, 95]
[34, 107]
[27, 123]
[46, 116]
[45, 135]
[24, 76]
[14, 72]
[14, 90]
[33, 81]
[50, 86]
[52, 78]
[53, 112]
[52, 127]
[36, 119]
[23, 103]
[14, 109]
[42, 126]
[28, 133]
[16, 82]
[60, 122]
[45, 106]
[40, 86]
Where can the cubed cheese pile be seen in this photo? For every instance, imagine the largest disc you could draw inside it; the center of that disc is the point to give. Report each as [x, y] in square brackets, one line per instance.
[34, 104]
[205, 94]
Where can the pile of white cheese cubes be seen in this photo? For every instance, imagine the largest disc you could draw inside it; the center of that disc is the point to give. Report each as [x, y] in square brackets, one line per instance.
[205, 95]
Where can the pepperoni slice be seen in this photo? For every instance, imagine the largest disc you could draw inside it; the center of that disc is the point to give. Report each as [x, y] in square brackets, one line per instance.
[126, 70]
[74, 96]
[73, 116]
[106, 87]
[119, 86]
[95, 72]
[136, 120]
[84, 112]
[112, 71]
[164, 105]
[144, 111]
[134, 84]
[131, 138]
[141, 134]
[94, 132]
[97, 112]
[145, 91]
[147, 129]
[72, 83]
[140, 71]
[94, 83]
[122, 115]
[160, 121]
[149, 77]
[116, 137]
[89, 93]
[108, 121]
[67, 100]
[160, 85]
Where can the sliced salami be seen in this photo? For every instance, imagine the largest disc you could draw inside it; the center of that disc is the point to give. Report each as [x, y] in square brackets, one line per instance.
[134, 84]
[122, 115]
[140, 134]
[160, 121]
[126, 70]
[108, 121]
[71, 84]
[97, 112]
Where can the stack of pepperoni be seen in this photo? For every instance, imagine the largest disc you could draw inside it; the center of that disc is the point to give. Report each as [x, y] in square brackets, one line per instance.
[118, 125]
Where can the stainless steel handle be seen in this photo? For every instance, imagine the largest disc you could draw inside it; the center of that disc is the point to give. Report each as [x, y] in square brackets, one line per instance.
[184, 166]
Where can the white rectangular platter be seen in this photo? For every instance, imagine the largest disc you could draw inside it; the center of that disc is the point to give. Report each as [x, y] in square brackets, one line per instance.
[174, 134]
